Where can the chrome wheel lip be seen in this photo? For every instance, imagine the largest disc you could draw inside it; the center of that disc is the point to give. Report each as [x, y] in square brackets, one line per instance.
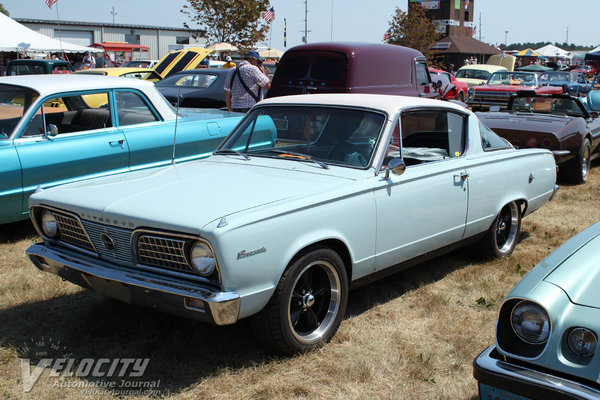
[585, 164]
[505, 223]
[332, 309]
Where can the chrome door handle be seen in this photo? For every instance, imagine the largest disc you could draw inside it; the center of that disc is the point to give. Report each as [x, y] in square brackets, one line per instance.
[121, 142]
[463, 176]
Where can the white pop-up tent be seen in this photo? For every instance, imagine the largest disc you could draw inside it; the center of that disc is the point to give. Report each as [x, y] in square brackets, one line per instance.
[552, 51]
[17, 37]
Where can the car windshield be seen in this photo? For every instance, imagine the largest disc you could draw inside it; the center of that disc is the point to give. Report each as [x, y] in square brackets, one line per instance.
[555, 77]
[547, 105]
[190, 80]
[14, 101]
[512, 78]
[322, 135]
[473, 74]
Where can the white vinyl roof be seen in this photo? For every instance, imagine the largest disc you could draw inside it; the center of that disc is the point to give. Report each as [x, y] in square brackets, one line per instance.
[17, 37]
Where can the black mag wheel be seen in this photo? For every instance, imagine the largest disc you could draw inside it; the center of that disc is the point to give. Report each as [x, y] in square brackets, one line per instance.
[308, 304]
[501, 239]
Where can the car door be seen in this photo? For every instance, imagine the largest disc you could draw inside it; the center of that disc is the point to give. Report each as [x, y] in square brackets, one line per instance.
[11, 193]
[83, 142]
[424, 208]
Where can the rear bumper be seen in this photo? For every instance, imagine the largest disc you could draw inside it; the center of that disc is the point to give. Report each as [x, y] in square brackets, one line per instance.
[490, 369]
[174, 296]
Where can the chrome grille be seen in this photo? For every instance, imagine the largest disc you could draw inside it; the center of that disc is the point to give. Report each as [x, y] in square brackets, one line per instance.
[164, 252]
[72, 232]
[121, 238]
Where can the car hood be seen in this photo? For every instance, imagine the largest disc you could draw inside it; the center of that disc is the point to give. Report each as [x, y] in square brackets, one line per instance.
[190, 195]
[524, 122]
[579, 275]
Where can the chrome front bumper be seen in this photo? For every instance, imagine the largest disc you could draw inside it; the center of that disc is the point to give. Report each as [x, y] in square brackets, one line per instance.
[174, 296]
[489, 368]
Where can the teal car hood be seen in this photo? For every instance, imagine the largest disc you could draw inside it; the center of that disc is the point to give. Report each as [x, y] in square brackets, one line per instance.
[579, 275]
[185, 196]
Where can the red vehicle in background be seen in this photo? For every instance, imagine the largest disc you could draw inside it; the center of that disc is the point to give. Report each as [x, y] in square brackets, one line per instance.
[120, 53]
[588, 70]
[458, 89]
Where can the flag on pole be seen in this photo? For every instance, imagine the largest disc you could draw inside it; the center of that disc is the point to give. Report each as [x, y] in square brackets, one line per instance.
[269, 14]
[49, 3]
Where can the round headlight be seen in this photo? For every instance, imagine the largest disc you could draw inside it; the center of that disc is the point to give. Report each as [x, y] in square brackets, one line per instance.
[582, 342]
[530, 322]
[49, 227]
[202, 258]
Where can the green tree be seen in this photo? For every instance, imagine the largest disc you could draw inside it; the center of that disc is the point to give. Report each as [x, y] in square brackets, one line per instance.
[236, 22]
[413, 29]
[4, 11]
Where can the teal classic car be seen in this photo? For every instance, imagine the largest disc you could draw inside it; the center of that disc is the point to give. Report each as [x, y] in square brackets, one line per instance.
[547, 330]
[64, 128]
[308, 197]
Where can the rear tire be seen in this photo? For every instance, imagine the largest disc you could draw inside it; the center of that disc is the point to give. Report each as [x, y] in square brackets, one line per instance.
[308, 304]
[502, 237]
[577, 170]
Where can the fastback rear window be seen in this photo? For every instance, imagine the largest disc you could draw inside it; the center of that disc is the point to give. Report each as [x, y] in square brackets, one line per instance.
[321, 68]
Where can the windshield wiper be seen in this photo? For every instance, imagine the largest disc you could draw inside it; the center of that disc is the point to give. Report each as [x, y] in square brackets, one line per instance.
[299, 156]
[232, 151]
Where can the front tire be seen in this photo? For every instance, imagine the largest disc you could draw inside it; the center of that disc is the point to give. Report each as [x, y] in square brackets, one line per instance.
[308, 304]
[501, 239]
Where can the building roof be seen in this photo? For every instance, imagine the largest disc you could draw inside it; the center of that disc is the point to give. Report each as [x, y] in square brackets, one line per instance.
[464, 45]
[83, 23]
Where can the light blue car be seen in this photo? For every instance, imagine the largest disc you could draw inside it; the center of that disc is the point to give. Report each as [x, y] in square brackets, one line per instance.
[63, 128]
[547, 330]
[309, 196]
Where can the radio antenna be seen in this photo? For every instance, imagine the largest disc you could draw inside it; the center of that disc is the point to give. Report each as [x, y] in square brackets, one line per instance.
[176, 119]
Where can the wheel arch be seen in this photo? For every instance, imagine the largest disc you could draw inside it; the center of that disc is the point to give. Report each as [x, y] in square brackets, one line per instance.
[334, 244]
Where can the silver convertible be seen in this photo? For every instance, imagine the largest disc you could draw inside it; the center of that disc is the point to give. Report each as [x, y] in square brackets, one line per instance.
[308, 197]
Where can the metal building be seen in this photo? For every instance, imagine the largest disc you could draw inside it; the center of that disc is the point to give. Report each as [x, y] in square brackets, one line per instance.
[159, 39]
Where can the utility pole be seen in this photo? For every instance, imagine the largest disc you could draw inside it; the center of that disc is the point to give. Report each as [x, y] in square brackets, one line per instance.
[480, 27]
[505, 39]
[567, 42]
[113, 14]
[305, 38]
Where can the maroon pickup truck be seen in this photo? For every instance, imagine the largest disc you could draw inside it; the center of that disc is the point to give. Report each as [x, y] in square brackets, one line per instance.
[339, 67]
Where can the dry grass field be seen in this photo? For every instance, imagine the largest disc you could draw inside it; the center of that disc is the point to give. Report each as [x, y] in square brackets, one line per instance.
[411, 336]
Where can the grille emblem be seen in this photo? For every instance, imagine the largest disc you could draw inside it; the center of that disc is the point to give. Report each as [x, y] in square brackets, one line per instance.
[107, 242]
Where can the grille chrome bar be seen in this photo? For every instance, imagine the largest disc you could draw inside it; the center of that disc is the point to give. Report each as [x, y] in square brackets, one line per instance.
[72, 232]
[164, 252]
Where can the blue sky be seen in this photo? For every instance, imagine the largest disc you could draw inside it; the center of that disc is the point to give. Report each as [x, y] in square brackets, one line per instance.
[356, 20]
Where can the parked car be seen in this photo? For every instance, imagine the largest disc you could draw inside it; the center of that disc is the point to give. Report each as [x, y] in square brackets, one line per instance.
[457, 89]
[348, 67]
[477, 74]
[35, 67]
[73, 127]
[547, 330]
[308, 196]
[140, 64]
[502, 85]
[572, 83]
[202, 88]
[557, 122]
[123, 72]
[588, 70]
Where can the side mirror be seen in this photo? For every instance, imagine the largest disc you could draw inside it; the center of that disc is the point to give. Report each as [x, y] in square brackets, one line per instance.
[397, 165]
[51, 131]
[594, 114]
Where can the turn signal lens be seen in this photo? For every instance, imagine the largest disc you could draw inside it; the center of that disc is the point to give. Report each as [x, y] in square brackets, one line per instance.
[582, 342]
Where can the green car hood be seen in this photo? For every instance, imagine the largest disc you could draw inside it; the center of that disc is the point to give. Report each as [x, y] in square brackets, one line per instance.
[579, 275]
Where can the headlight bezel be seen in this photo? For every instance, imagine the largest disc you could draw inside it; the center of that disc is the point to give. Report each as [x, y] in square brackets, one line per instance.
[200, 262]
[48, 224]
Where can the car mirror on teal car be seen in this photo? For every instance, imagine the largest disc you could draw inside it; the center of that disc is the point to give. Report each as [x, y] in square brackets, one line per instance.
[51, 130]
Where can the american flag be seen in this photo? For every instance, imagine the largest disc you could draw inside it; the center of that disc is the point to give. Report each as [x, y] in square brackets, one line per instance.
[269, 14]
[49, 3]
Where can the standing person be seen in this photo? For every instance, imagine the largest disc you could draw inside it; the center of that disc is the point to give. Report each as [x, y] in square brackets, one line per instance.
[229, 63]
[89, 61]
[244, 84]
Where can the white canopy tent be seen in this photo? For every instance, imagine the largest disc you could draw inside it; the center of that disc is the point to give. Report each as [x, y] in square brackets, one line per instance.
[17, 37]
[552, 51]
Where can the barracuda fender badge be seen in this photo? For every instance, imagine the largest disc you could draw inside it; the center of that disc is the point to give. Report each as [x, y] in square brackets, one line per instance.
[246, 254]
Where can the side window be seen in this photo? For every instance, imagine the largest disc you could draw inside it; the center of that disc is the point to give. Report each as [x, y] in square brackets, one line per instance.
[422, 77]
[71, 114]
[432, 135]
[132, 109]
[490, 140]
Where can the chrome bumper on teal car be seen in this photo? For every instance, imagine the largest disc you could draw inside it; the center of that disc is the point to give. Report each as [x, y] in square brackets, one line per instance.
[174, 296]
[511, 381]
